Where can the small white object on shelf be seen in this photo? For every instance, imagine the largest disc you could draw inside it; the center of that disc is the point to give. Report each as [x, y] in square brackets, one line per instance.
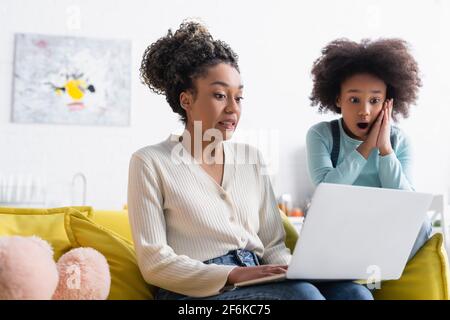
[286, 200]
[84, 187]
[21, 190]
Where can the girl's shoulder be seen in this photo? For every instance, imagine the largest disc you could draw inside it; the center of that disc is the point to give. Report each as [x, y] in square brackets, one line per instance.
[399, 138]
[397, 131]
[320, 131]
[323, 126]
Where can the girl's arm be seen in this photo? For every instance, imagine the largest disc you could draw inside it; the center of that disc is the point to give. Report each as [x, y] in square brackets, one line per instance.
[320, 167]
[395, 168]
[394, 165]
[158, 263]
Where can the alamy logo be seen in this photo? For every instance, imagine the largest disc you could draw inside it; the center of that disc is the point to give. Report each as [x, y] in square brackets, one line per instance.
[374, 278]
[267, 140]
[74, 18]
[74, 280]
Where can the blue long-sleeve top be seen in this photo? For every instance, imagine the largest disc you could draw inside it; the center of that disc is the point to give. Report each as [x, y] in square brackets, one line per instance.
[390, 171]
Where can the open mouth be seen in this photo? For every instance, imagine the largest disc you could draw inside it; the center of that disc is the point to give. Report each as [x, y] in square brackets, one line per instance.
[229, 125]
[362, 125]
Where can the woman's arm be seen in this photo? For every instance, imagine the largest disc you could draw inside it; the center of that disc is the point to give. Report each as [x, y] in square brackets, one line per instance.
[320, 167]
[271, 230]
[158, 263]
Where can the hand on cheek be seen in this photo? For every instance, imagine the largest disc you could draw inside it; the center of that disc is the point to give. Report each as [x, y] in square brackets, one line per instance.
[384, 141]
[371, 140]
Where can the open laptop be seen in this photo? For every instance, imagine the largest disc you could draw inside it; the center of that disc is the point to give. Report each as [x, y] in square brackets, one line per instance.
[355, 233]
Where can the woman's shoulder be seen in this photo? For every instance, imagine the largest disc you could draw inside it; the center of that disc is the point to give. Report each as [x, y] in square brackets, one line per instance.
[150, 153]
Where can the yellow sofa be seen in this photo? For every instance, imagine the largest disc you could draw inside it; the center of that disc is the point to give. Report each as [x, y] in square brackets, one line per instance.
[425, 276]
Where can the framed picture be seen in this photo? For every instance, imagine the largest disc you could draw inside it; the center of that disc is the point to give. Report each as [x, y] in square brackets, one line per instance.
[71, 80]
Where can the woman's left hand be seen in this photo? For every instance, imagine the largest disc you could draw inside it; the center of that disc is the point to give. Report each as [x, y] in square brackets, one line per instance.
[384, 137]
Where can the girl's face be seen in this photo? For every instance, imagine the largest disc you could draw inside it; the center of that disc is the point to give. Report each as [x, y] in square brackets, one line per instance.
[217, 100]
[361, 100]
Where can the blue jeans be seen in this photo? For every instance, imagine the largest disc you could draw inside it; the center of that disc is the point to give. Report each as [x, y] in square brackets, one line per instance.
[285, 290]
[422, 238]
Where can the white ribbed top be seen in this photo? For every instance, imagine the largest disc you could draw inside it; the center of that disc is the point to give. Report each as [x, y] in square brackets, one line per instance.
[180, 216]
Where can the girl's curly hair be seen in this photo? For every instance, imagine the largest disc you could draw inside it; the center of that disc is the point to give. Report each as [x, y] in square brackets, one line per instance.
[387, 59]
[170, 64]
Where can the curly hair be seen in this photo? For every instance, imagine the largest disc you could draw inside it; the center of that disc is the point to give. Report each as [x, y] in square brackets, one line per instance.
[170, 64]
[387, 59]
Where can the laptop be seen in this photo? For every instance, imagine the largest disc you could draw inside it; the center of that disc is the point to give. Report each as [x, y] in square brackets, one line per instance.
[355, 233]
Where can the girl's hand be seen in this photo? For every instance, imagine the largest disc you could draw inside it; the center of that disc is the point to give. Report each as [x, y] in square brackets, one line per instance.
[370, 143]
[384, 141]
[240, 274]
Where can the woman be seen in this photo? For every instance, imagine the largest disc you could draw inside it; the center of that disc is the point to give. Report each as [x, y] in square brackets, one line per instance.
[203, 214]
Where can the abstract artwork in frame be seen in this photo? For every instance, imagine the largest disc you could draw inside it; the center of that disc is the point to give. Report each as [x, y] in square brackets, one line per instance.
[71, 80]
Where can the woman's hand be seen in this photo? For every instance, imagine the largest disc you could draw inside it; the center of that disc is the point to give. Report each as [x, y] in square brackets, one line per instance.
[384, 137]
[371, 141]
[240, 274]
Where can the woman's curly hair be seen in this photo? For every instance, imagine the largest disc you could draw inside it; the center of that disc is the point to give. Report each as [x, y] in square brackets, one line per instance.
[170, 64]
[387, 59]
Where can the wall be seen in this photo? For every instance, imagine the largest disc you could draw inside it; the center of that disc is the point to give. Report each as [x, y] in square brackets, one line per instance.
[277, 43]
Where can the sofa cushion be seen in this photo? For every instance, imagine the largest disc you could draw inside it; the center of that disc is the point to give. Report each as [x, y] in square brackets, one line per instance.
[47, 224]
[291, 232]
[116, 221]
[126, 279]
[425, 276]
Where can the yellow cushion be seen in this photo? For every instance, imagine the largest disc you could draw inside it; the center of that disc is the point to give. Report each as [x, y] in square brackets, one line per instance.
[126, 278]
[47, 224]
[424, 278]
[291, 232]
[116, 221]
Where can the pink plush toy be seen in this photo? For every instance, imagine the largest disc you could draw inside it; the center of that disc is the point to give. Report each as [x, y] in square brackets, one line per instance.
[83, 274]
[28, 271]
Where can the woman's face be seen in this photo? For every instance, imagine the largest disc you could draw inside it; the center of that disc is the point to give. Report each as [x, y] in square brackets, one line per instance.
[217, 100]
[361, 100]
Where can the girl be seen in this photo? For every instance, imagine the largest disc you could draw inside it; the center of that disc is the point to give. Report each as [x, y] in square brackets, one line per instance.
[370, 83]
[204, 218]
